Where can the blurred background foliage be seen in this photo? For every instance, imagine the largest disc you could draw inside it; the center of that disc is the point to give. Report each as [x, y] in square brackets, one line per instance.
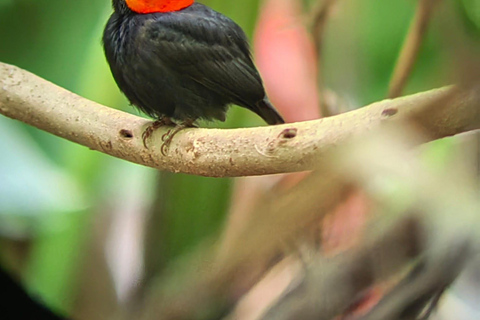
[53, 193]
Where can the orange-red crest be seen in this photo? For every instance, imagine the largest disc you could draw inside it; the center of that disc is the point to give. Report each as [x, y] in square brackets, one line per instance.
[150, 6]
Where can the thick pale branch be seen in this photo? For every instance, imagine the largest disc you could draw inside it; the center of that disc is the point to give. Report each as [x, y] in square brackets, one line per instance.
[213, 152]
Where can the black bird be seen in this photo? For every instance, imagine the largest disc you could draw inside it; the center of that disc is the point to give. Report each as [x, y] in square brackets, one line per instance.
[181, 60]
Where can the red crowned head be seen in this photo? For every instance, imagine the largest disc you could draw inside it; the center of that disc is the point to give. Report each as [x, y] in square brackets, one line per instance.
[151, 6]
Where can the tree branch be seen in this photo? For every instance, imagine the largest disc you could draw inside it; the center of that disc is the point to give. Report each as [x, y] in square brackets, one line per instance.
[321, 14]
[411, 47]
[214, 152]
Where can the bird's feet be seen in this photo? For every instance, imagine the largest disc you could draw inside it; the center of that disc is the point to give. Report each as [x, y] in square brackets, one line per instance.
[167, 137]
[164, 121]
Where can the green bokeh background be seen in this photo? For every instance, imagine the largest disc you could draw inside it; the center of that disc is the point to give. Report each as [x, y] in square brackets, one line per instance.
[60, 41]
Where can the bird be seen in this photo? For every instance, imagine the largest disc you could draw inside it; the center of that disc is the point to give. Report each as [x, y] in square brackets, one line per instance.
[179, 61]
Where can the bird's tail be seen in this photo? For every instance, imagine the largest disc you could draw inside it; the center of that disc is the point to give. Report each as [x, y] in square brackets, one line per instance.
[268, 112]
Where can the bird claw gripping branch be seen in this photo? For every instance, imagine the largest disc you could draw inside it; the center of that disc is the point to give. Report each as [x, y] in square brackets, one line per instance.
[168, 137]
[163, 121]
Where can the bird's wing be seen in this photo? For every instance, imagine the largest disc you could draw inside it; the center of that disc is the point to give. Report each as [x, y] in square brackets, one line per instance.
[211, 50]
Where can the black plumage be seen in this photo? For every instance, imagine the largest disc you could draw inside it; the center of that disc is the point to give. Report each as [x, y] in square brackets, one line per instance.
[185, 65]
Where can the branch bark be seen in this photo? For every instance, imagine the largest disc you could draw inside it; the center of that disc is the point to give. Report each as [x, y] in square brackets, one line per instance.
[214, 152]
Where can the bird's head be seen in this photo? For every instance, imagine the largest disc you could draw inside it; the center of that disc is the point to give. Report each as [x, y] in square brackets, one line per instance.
[151, 6]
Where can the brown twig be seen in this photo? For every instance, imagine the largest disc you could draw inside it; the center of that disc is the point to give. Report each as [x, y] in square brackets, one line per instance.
[321, 13]
[411, 47]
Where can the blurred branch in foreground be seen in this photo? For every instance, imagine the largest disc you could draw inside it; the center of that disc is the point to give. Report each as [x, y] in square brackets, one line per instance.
[431, 239]
[214, 152]
[431, 233]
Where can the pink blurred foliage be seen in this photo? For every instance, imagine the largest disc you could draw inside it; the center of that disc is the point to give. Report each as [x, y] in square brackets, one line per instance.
[343, 228]
[285, 56]
[363, 304]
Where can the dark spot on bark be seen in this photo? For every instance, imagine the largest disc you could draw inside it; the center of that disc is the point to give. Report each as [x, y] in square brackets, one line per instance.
[289, 133]
[389, 112]
[126, 133]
